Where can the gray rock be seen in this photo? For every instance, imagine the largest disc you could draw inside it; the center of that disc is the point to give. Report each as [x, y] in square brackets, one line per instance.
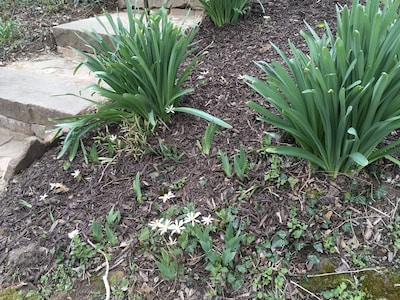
[33, 150]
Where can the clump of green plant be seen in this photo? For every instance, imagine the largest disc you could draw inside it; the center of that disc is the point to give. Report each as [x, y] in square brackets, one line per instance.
[189, 232]
[394, 234]
[81, 2]
[130, 138]
[268, 279]
[225, 163]
[221, 263]
[167, 152]
[364, 194]
[240, 162]
[140, 71]
[112, 219]
[80, 254]
[9, 32]
[345, 291]
[340, 101]
[180, 230]
[275, 174]
[224, 12]
[207, 139]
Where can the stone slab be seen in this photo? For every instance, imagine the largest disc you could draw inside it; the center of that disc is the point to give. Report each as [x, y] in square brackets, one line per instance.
[33, 91]
[66, 34]
[12, 145]
[4, 161]
[11, 148]
[31, 150]
[15, 125]
[27, 100]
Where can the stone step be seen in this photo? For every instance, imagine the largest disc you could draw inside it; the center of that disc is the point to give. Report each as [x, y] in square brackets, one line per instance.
[66, 35]
[28, 98]
[31, 92]
[17, 152]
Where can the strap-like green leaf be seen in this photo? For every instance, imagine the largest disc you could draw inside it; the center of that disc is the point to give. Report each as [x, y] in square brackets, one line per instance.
[359, 158]
[203, 115]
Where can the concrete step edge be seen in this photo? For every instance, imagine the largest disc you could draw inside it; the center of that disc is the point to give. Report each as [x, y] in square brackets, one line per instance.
[43, 132]
[66, 35]
[17, 152]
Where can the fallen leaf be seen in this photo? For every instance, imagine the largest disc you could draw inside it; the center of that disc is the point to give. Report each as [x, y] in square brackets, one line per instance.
[58, 188]
[328, 215]
[265, 48]
[144, 276]
[367, 233]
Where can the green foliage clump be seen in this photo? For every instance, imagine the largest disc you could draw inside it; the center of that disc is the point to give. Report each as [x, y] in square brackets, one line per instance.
[224, 12]
[340, 101]
[9, 32]
[140, 71]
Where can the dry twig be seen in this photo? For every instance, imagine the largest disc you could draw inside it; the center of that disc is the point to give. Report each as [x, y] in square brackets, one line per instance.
[105, 276]
[376, 269]
[304, 289]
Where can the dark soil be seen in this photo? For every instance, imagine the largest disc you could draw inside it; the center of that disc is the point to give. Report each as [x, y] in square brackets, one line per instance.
[32, 238]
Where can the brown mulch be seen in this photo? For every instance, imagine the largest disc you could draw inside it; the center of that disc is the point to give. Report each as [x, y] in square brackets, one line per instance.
[32, 238]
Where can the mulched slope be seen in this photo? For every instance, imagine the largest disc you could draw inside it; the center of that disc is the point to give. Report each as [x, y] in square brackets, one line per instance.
[35, 20]
[41, 231]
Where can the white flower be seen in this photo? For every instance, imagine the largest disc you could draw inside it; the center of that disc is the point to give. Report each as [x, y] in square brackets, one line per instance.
[76, 174]
[73, 233]
[177, 227]
[166, 197]
[164, 226]
[113, 138]
[207, 220]
[192, 218]
[170, 109]
[43, 197]
[171, 241]
[156, 224]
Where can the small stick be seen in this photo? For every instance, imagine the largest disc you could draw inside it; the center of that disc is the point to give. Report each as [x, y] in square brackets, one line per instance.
[345, 272]
[379, 211]
[304, 289]
[105, 280]
[395, 209]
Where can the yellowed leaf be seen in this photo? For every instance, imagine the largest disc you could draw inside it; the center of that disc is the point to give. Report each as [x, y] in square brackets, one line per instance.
[265, 48]
[328, 215]
[58, 188]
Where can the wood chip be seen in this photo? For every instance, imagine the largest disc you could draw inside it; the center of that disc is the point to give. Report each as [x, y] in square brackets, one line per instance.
[367, 233]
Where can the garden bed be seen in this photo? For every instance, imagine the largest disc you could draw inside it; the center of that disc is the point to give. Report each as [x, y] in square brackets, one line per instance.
[294, 221]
